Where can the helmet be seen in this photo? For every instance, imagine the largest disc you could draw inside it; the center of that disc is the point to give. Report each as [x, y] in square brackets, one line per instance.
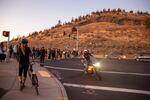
[85, 50]
[24, 41]
[74, 49]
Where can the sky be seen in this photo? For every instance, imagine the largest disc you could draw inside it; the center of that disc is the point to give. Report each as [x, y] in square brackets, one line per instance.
[22, 17]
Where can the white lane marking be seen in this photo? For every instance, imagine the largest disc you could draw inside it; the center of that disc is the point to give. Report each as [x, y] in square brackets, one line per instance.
[111, 72]
[108, 88]
[129, 73]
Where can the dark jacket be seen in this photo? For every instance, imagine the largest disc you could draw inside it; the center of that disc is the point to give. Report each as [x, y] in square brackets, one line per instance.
[87, 56]
[42, 51]
[23, 59]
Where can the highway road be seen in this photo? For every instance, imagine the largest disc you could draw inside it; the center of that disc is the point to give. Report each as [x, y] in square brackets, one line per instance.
[121, 79]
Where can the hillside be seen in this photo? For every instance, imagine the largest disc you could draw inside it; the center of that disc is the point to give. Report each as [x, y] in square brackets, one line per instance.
[101, 32]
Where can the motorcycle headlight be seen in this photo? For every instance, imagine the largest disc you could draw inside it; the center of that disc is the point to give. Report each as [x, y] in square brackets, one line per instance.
[97, 65]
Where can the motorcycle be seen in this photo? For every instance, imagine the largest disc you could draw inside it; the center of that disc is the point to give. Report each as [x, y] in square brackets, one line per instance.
[93, 67]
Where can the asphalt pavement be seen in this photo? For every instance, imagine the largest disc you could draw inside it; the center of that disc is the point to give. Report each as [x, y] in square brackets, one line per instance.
[121, 79]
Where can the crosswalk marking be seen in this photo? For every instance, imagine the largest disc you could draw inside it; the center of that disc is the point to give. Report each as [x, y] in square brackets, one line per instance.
[44, 73]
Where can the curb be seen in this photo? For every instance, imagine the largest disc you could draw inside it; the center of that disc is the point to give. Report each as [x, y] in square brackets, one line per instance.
[63, 91]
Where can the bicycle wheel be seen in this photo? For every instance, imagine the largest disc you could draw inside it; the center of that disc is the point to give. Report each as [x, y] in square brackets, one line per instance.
[36, 89]
[29, 74]
[98, 76]
[34, 79]
[35, 83]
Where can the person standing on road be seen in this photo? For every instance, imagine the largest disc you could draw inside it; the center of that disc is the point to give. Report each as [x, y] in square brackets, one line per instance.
[53, 54]
[23, 53]
[42, 57]
[2, 53]
[10, 51]
[15, 47]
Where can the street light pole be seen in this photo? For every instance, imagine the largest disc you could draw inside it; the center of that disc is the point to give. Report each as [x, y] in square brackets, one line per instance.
[7, 49]
[77, 41]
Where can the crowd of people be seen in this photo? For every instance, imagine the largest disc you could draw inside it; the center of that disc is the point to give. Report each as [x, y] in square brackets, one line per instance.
[12, 51]
[43, 53]
[53, 53]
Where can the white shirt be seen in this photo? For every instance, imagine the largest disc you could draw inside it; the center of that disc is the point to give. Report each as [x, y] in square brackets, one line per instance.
[15, 49]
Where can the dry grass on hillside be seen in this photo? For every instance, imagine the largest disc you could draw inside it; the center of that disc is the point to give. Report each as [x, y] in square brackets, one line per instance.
[100, 32]
[102, 37]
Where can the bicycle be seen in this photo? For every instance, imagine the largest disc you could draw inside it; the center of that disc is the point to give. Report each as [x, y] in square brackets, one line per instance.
[33, 77]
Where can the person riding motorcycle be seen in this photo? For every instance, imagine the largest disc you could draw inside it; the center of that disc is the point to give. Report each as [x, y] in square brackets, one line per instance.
[91, 64]
[87, 55]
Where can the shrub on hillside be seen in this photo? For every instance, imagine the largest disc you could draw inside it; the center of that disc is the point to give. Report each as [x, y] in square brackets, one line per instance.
[147, 23]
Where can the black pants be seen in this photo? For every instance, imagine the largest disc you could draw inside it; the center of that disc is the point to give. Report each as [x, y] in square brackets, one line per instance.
[23, 69]
[2, 57]
[42, 59]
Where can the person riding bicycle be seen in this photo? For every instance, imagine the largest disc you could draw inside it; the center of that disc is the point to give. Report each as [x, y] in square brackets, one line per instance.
[23, 54]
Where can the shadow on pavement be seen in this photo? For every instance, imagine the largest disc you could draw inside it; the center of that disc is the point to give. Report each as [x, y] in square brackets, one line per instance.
[3, 92]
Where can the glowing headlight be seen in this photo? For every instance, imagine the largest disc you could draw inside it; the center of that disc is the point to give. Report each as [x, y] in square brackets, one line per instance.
[97, 65]
[124, 57]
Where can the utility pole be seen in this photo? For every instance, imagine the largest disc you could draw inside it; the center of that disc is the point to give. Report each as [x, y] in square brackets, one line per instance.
[76, 31]
[77, 41]
[7, 57]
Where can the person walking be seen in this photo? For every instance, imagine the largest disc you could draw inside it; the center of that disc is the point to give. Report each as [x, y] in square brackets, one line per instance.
[23, 53]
